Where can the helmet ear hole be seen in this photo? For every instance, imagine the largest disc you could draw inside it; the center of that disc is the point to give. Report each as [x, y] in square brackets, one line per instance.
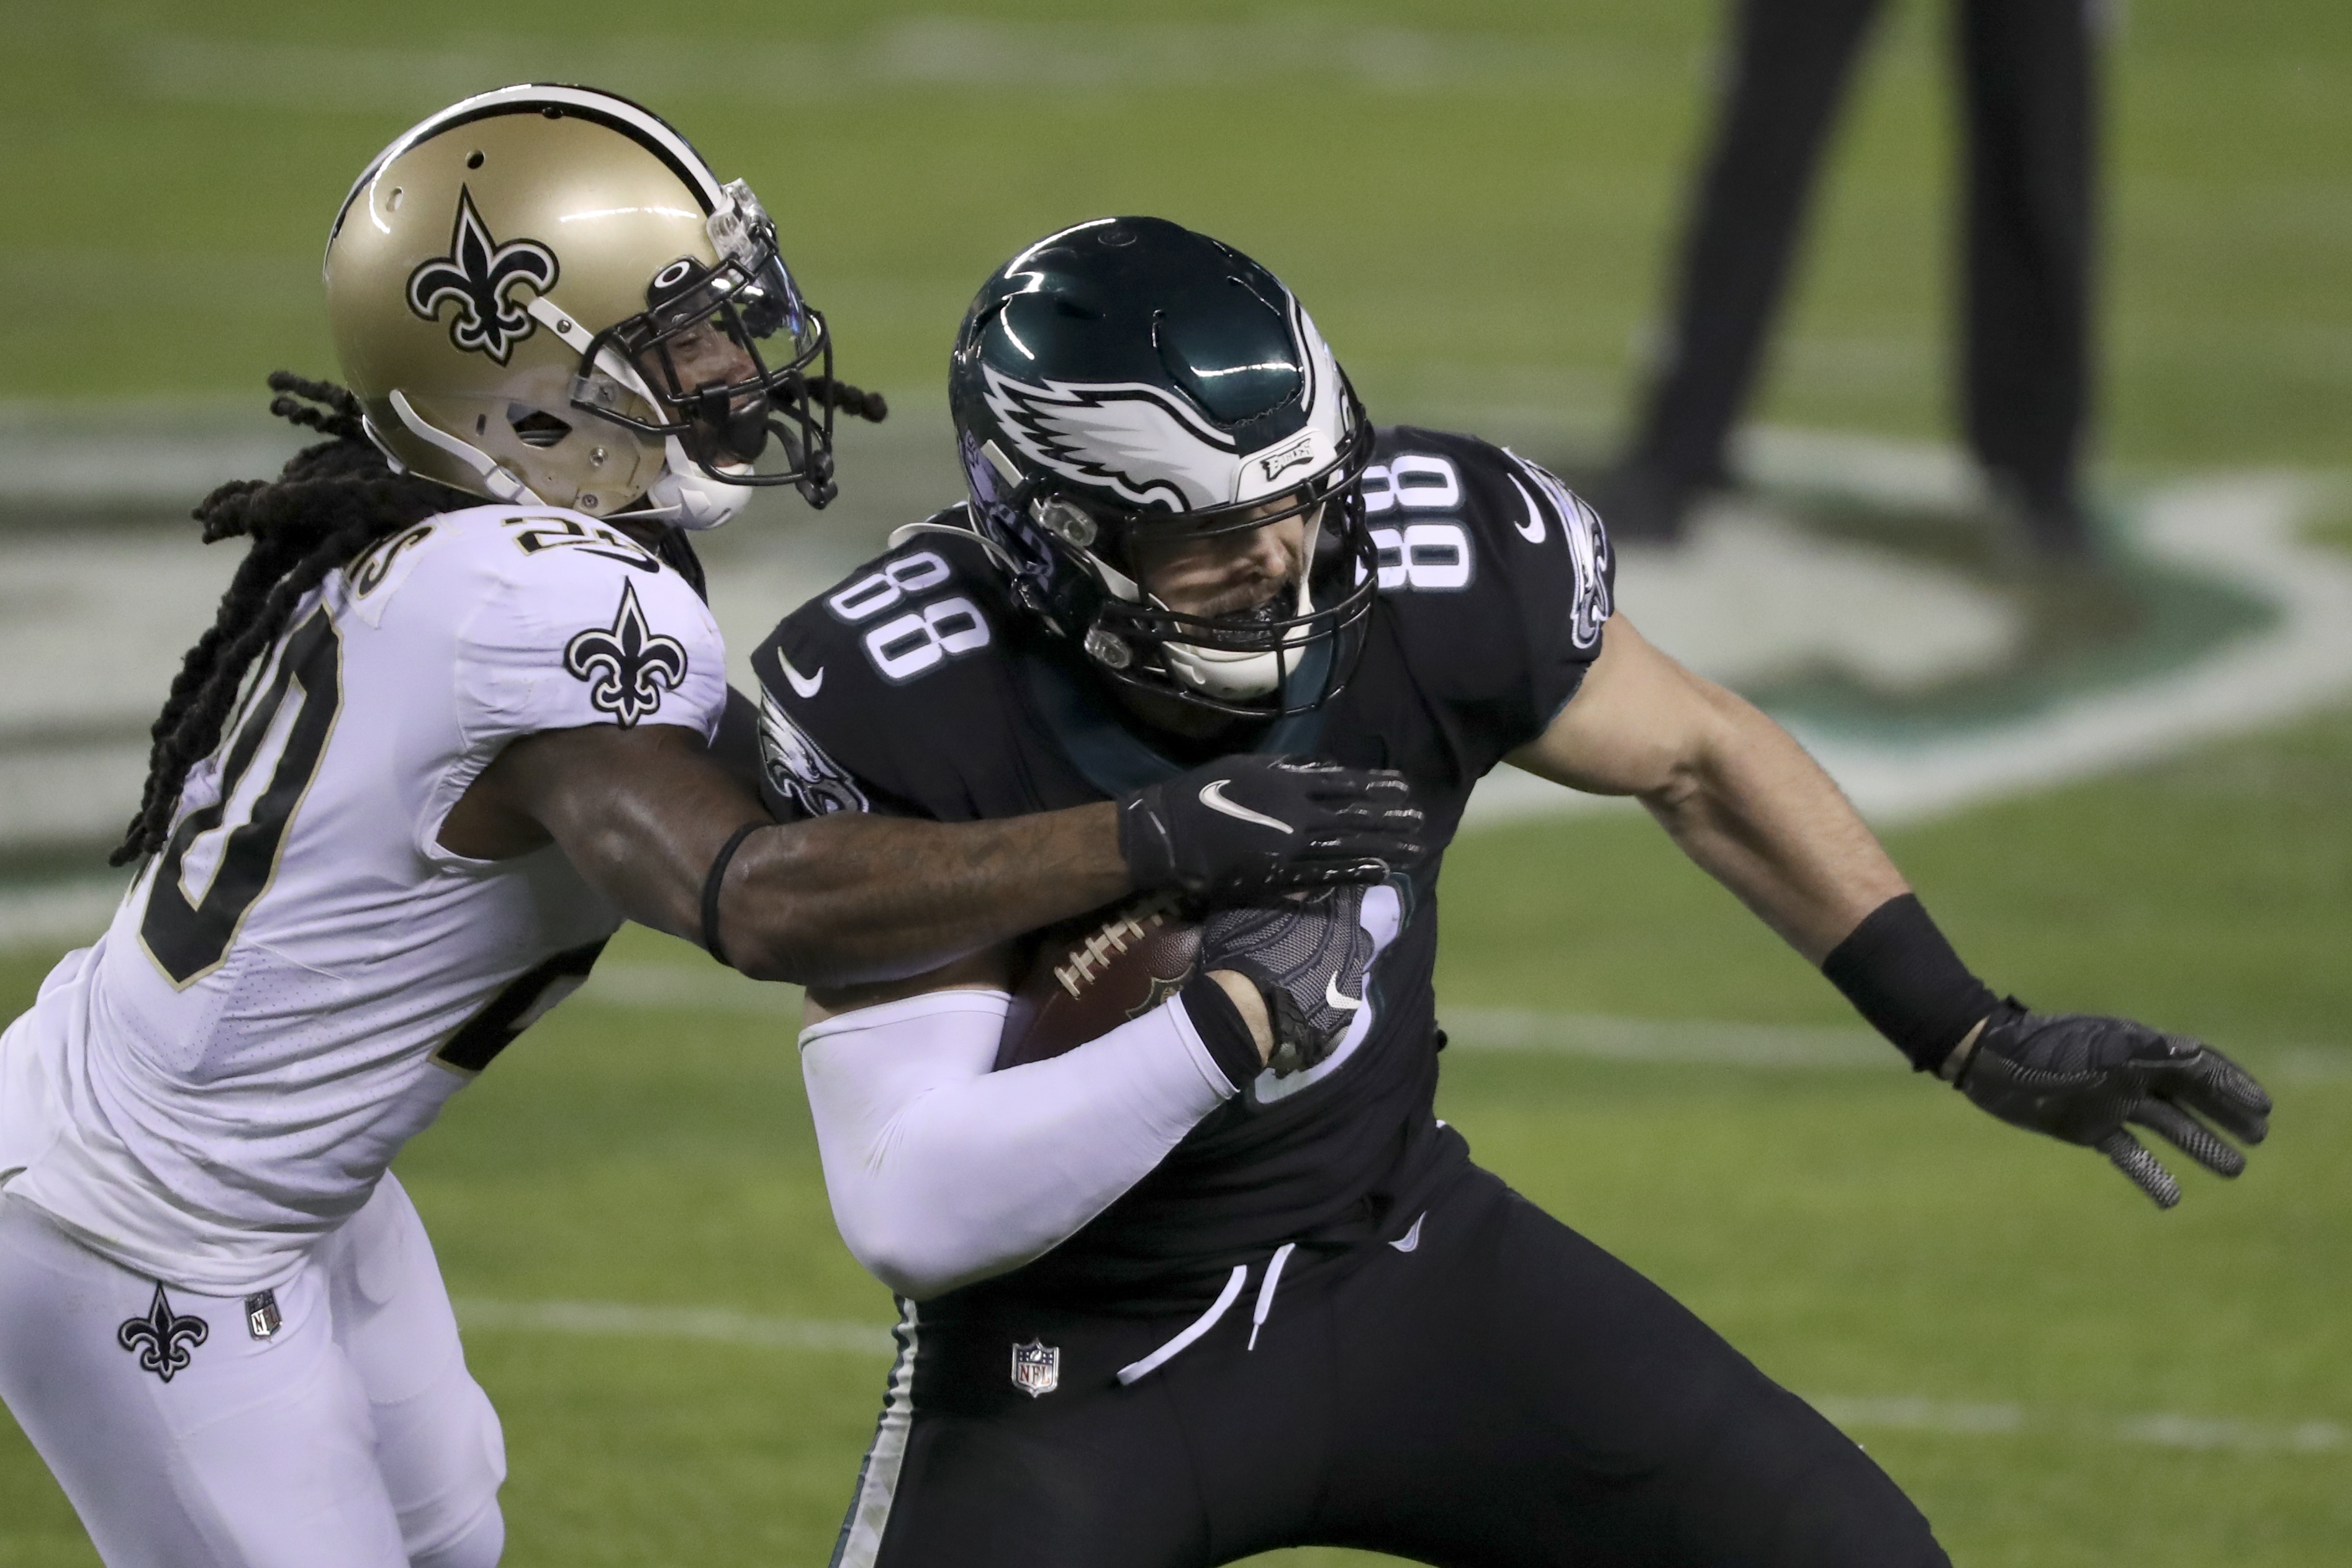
[536, 427]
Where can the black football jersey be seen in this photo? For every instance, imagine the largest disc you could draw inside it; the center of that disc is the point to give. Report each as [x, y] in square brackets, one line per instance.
[915, 688]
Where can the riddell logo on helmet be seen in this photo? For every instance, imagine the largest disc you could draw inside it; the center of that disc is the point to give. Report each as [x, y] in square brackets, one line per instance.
[1275, 462]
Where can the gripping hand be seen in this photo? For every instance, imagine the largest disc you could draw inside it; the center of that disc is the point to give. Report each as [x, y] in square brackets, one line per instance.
[2082, 1077]
[1306, 954]
[1250, 828]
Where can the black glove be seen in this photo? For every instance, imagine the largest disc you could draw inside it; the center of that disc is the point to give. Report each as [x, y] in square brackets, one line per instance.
[1306, 954]
[2081, 1077]
[1249, 828]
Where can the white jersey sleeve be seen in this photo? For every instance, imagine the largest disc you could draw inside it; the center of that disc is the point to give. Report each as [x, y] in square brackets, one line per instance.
[571, 627]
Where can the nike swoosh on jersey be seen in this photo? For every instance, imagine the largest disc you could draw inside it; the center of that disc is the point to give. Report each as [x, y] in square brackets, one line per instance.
[804, 686]
[1337, 999]
[1212, 795]
[1411, 1239]
[1532, 530]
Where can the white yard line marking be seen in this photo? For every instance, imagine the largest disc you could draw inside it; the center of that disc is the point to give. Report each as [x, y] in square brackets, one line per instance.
[1779, 1046]
[674, 1322]
[1666, 1042]
[1900, 1413]
[77, 911]
[708, 988]
[2196, 1433]
[1648, 1039]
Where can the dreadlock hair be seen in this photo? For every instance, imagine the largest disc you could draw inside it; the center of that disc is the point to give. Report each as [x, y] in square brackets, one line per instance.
[330, 502]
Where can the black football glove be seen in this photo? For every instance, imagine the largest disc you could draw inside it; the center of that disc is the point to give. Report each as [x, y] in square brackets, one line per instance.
[2081, 1078]
[1306, 954]
[1248, 829]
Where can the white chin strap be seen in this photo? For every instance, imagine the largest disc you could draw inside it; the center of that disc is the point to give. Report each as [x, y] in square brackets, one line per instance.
[1237, 676]
[501, 482]
[1231, 675]
[688, 498]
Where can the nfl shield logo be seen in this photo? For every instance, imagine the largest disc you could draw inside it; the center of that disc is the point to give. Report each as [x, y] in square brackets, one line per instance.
[1037, 1369]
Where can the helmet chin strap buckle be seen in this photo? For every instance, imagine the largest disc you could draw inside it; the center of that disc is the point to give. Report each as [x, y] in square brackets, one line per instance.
[1227, 676]
[685, 498]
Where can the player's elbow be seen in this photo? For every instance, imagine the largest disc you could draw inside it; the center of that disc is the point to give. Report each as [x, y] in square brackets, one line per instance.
[912, 1237]
[1695, 769]
[903, 1258]
[770, 955]
[779, 935]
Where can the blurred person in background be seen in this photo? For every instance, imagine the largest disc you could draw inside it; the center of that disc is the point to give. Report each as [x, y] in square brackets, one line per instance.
[2027, 75]
[454, 722]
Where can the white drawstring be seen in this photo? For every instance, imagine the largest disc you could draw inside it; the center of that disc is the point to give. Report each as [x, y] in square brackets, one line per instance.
[1135, 1370]
[1265, 1288]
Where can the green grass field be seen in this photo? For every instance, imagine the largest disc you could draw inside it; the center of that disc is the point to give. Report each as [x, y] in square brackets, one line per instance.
[1865, 1235]
[1475, 208]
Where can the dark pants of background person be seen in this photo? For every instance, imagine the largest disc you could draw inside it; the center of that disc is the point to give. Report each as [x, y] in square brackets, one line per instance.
[2026, 66]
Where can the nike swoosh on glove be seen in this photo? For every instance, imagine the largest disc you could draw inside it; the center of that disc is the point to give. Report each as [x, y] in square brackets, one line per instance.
[1248, 829]
[1306, 954]
[2082, 1077]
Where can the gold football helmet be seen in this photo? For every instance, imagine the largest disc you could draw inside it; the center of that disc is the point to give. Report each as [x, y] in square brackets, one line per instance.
[544, 294]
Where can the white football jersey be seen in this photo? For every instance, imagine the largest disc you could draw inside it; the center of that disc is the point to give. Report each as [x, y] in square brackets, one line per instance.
[302, 975]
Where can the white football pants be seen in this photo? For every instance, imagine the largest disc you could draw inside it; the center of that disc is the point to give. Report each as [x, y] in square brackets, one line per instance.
[352, 1437]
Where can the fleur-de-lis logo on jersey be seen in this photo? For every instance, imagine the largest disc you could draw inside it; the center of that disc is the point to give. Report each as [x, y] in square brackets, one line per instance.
[480, 274]
[627, 665]
[163, 1338]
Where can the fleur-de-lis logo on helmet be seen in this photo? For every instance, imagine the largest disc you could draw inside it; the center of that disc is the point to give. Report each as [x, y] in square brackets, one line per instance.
[163, 1338]
[627, 665]
[480, 274]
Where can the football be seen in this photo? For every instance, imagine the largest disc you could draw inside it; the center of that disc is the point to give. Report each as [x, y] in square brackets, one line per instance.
[1092, 974]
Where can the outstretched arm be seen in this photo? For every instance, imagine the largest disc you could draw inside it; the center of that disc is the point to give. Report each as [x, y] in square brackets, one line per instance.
[1733, 788]
[643, 812]
[1744, 801]
[850, 899]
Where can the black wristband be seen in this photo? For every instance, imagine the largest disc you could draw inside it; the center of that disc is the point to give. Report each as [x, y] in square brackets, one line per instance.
[1900, 974]
[712, 879]
[1219, 1025]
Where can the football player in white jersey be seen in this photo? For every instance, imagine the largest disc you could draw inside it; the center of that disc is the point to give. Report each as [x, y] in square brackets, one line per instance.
[454, 723]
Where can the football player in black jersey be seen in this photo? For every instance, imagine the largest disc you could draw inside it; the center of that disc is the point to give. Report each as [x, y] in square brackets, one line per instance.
[1217, 1307]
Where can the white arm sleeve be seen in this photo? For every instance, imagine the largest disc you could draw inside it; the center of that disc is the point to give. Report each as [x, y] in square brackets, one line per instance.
[942, 1172]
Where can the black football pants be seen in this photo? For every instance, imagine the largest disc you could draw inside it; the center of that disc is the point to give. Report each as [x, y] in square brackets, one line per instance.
[2026, 74]
[1503, 1394]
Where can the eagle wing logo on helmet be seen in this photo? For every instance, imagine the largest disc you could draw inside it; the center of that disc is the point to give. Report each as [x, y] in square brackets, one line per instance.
[1126, 437]
[480, 274]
